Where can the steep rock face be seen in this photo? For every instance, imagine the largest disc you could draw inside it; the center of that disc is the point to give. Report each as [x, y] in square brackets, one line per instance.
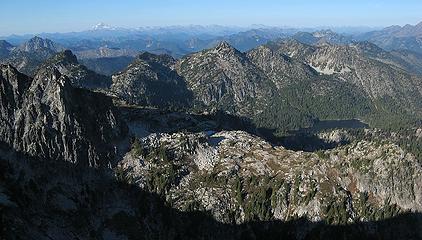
[225, 77]
[151, 80]
[12, 88]
[48, 118]
[67, 64]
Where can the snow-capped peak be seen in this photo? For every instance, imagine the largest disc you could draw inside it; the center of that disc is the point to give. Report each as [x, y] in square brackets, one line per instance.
[323, 33]
[102, 26]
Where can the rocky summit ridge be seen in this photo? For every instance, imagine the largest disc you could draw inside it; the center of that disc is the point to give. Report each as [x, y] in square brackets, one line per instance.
[48, 118]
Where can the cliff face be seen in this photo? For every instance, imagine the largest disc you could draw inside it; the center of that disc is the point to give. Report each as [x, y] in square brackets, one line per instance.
[48, 118]
[13, 86]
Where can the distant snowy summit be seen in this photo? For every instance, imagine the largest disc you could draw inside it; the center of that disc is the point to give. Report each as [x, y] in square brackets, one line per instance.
[102, 26]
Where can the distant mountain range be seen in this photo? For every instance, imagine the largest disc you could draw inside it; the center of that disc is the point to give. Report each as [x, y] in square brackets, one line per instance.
[282, 84]
[324, 64]
[178, 40]
[304, 82]
[408, 37]
[182, 40]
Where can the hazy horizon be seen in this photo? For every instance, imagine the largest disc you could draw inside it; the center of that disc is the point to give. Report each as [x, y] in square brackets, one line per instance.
[239, 28]
[51, 16]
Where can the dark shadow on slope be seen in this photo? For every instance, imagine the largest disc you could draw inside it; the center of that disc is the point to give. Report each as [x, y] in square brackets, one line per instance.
[321, 125]
[30, 183]
[301, 140]
[308, 142]
[306, 139]
[170, 121]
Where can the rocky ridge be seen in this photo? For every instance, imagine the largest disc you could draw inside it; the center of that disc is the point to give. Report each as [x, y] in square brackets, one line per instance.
[80, 76]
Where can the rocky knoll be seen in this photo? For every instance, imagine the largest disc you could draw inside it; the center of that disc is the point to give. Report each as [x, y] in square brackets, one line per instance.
[48, 118]
[239, 178]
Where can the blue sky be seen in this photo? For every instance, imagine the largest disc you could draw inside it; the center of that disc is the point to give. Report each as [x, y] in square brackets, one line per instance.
[35, 16]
